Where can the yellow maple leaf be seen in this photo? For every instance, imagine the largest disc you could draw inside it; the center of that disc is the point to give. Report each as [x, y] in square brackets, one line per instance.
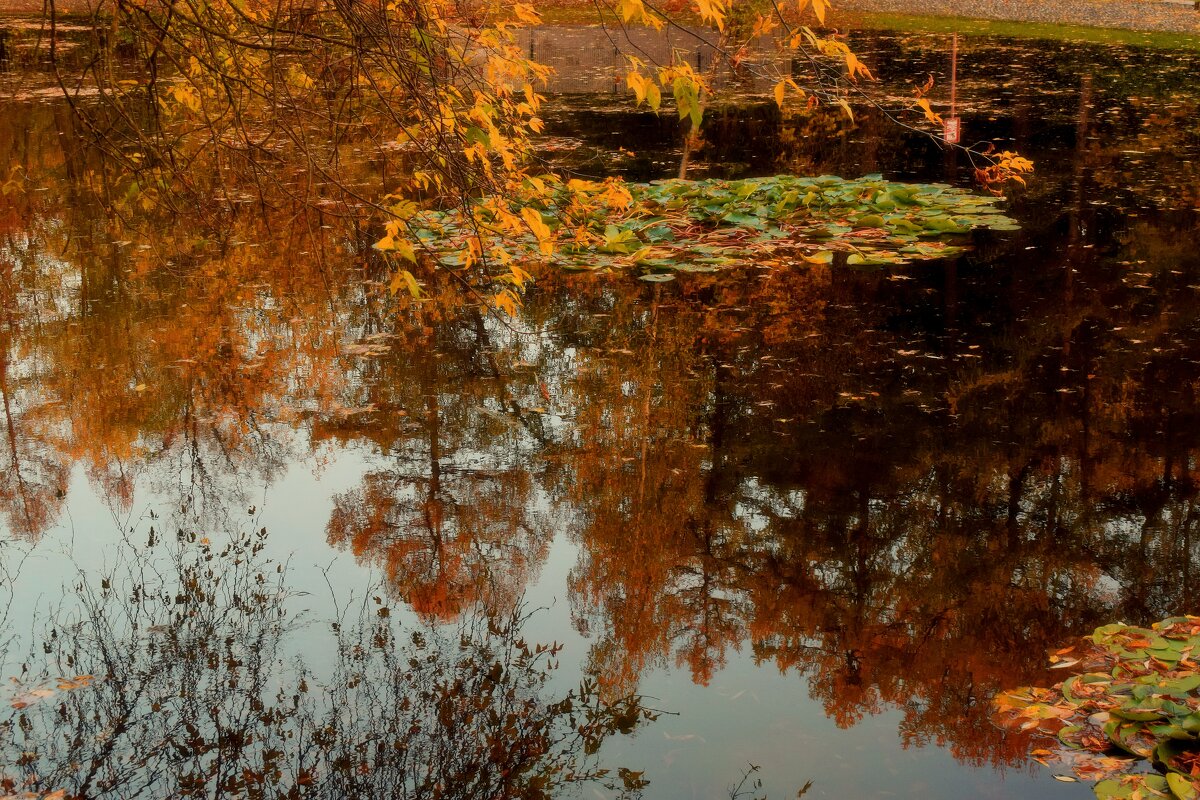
[540, 229]
[527, 14]
[930, 114]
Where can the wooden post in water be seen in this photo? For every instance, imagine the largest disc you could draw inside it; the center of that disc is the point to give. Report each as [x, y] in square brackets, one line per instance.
[951, 125]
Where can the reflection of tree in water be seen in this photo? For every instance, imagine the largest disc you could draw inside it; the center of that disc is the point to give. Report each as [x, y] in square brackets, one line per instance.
[445, 542]
[904, 518]
[33, 470]
[812, 465]
[195, 692]
[34, 482]
[159, 350]
[453, 515]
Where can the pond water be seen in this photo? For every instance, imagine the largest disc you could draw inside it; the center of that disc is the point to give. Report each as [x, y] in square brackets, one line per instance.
[814, 517]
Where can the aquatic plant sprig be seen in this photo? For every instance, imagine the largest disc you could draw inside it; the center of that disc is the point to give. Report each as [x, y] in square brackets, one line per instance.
[1134, 703]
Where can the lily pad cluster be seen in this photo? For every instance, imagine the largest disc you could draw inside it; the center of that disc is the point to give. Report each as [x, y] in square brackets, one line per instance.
[670, 226]
[1129, 719]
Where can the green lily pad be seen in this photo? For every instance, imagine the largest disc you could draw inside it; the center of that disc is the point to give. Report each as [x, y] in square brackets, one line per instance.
[1145, 701]
[1124, 734]
[1130, 786]
[1183, 788]
[944, 225]
[1183, 685]
[1167, 751]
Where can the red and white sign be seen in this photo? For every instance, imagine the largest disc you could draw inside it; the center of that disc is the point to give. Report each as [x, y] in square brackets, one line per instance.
[952, 129]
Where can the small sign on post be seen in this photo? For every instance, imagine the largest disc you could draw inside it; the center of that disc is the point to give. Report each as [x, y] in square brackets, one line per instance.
[952, 129]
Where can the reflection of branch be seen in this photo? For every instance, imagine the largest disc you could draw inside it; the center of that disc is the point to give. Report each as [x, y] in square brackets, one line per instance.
[195, 691]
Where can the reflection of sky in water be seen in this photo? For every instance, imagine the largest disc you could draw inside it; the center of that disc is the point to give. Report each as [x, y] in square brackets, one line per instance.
[748, 714]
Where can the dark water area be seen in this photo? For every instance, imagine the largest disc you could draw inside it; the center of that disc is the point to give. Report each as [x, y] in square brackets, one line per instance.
[815, 517]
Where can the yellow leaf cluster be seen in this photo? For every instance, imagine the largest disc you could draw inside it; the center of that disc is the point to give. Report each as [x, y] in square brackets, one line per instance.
[644, 89]
[539, 228]
[186, 95]
[403, 279]
[818, 7]
[393, 243]
[930, 114]
[635, 11]
[714, 11]
[508, 301]
[527, 14]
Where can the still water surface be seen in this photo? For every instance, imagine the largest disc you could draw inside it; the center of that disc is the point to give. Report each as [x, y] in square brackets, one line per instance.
[815, 517]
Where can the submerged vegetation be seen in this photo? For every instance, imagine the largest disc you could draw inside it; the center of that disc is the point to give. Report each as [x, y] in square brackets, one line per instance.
[1134, 700]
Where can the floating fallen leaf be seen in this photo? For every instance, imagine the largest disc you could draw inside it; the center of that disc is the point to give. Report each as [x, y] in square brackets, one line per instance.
[1136, 691]
[30, 698]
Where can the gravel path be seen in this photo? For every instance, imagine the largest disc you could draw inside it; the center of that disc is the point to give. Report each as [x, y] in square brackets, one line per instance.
[20, 6]
[1138, 15]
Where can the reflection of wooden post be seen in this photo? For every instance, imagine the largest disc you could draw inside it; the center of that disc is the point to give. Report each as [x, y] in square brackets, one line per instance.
[647, 405]
[53, 32]
[19, 480]
[871, 140]
[1076, 253]
[950, 167]
[432, 506]
[1075, 234]
[950, 297]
